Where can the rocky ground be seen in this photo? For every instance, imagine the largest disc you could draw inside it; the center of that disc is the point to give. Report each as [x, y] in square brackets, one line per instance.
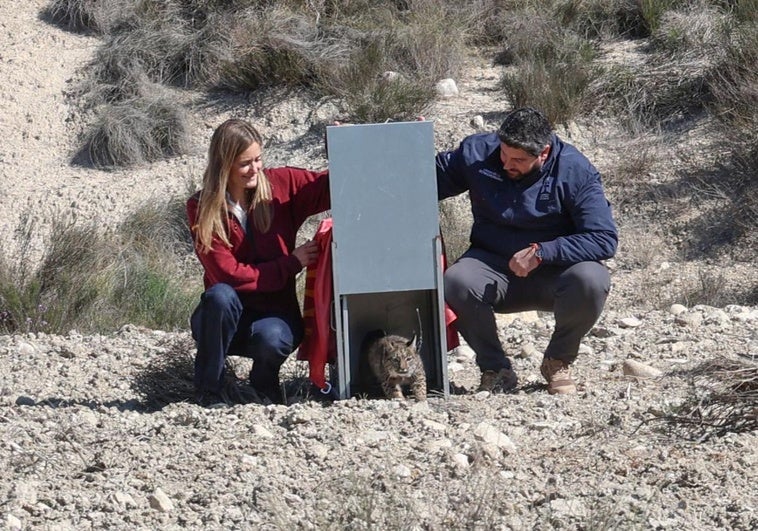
[99, 432]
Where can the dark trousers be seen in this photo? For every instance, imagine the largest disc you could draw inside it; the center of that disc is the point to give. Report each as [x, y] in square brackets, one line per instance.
[222, 327]
[480, 284]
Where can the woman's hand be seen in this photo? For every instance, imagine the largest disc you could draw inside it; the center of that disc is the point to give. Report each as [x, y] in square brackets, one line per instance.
[307, 253]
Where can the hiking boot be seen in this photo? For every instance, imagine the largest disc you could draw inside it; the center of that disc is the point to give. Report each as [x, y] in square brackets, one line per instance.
[211, 400]
[557, 374]
[503, 380]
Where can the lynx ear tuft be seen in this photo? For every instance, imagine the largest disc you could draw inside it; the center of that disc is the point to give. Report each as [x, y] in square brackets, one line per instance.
[411, 341]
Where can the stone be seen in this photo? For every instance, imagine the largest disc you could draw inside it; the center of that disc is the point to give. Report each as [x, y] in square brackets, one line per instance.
[477, 122]
[446, 88]
[12, 523]
[160, 501]
[677, 309]
[640, 370]
[461, 460]
[528, 350]
[629, 322]
[489, 434]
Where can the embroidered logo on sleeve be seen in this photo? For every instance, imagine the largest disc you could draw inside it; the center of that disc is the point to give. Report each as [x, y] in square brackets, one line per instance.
[491, 174]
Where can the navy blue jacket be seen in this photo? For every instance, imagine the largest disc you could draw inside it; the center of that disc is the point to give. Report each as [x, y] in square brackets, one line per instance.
[563, 208]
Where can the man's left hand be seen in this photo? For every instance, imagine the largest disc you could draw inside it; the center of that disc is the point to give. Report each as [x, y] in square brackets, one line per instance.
[524, 262]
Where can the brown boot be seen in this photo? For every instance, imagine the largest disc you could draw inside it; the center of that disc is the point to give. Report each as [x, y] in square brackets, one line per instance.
[503, 380]
[558, 376]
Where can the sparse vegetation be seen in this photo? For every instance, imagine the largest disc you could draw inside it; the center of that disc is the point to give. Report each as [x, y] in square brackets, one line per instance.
[723, 399]
[698, 60]
[90, 280]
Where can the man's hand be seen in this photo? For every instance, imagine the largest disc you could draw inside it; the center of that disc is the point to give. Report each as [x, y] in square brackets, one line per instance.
[524, 262]
[307, 253]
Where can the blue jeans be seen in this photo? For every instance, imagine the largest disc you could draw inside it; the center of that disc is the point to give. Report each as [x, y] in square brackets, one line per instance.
[480, 284]
[222, 327]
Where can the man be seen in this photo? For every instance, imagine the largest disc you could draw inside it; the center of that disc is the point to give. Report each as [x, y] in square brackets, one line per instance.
[541, 226]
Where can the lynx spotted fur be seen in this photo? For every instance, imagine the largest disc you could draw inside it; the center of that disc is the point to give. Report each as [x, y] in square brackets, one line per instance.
[395, 362]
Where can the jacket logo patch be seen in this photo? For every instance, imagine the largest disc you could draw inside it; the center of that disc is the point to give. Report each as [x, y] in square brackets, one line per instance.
[491, 174]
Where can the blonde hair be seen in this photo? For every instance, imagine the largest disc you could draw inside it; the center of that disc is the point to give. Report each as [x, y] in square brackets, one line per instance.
[229, 140]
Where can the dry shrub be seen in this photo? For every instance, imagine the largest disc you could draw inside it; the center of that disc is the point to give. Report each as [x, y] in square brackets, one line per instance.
[696, 32]
[651, 96]
[733, 81]
[276, 46]
[95, 16]
[552, 67]
[603, 18]
[723, 399]
[136, 131]
[93, 280]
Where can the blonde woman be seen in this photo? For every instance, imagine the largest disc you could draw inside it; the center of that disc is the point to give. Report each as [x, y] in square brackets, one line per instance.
[244, 222]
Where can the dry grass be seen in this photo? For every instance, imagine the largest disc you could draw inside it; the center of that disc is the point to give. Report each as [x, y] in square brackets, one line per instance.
[136, 131]
[724, 400]
[96, 281]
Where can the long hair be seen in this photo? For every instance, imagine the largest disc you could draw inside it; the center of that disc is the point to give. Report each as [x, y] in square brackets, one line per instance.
[229, 140]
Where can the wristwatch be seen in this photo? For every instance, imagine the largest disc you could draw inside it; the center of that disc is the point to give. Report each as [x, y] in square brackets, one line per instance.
[537, 251]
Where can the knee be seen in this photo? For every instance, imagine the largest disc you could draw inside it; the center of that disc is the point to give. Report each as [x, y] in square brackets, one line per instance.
[457, 290]
[586, 282]
[276, 337]
[221, 297]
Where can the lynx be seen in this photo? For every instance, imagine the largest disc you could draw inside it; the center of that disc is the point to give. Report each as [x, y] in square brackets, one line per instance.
[395, 362]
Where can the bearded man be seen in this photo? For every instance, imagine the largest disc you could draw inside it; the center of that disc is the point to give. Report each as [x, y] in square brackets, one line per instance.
[542, 226]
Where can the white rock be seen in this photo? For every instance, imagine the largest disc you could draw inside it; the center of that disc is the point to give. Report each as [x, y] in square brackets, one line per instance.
[690, 319]
[374, 436]
[677, 309]
[640, 370]
[434, 425]
[124, 499]
[717, 317]
[574, 508]
[629, 322]
[249, 460]
[402, 471]
[477, 122]
[318, 450]
[160, 501]
[504, 319]
[447, 88]
[461, 460]
[262, 432]
[12, 523]
[439, 444]
[26, 349]
[455, 366]
[488, 433]
[464, 353]
[585, 350]
[528, 350]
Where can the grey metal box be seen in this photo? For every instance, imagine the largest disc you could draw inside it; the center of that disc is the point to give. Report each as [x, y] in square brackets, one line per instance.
[385, 244]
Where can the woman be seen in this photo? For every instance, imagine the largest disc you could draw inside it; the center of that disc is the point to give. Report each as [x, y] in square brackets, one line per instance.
[244, 222]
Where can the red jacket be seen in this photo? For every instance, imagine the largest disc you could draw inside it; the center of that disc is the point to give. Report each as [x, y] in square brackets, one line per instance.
[259, 265]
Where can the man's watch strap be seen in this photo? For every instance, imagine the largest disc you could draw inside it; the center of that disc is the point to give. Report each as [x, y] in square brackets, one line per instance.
[537, 251]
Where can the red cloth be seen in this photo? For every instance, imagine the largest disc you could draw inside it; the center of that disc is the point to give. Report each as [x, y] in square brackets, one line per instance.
[319, 345]
[450, 317]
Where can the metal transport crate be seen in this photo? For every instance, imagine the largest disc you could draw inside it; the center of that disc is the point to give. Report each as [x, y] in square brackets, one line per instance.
[386, 247]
